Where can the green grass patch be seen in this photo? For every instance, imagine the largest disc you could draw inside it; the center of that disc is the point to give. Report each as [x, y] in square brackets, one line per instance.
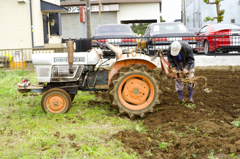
[84, 132]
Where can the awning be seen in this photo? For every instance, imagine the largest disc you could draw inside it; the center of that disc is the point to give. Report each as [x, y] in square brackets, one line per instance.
[52, 8]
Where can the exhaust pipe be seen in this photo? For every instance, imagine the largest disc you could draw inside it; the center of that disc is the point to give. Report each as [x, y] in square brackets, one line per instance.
[70, 50]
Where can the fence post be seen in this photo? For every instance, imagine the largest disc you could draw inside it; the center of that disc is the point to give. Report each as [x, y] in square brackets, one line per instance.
[215, 46]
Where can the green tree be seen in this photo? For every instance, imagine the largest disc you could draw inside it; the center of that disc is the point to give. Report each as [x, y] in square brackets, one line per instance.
[219, 12]
[161, 19]
[139, 28]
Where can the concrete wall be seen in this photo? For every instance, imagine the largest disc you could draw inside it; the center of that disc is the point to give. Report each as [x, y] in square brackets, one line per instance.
[231, 7]
[139, 11]
[171, 10]
[15, 25]
[71, 26]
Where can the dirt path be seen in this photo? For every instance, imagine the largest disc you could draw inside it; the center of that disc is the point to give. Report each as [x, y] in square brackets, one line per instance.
[183, 130]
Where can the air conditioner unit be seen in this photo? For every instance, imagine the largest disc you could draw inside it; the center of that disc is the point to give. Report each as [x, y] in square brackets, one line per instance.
[22, 1]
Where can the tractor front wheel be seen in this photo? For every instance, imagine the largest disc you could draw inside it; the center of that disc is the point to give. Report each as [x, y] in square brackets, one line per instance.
[135, 91]
[56, 101]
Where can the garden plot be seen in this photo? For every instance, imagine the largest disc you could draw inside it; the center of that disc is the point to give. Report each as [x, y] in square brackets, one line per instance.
[209, 128]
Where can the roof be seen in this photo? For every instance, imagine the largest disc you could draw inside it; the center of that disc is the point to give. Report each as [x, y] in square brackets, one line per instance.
[108, 2]
[52, 8]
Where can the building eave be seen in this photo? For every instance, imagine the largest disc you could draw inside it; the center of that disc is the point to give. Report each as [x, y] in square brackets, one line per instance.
[108, 2]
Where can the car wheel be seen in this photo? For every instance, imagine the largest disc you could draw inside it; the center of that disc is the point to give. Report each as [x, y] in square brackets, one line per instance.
[206, 48]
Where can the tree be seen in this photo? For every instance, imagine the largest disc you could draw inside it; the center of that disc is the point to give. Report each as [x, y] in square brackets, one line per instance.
[139, 28]
[219, 12]
[161, 19]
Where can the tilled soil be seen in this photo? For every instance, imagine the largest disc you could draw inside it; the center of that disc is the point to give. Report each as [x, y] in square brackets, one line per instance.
[182, 130]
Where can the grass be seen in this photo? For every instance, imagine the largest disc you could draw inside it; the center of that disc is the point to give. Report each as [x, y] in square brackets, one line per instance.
[84, 132]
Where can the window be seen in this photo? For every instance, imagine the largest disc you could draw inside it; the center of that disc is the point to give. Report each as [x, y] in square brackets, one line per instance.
[217, 27]
[204, 30]
[166, 28]
[147, 31]
[232, 20]
[114, 29]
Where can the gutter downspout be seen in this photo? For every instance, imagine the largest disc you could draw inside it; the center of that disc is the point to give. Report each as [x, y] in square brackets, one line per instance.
[31, 22]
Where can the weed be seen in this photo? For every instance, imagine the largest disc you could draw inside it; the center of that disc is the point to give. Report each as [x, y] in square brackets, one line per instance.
[157, 129]
[139, 128]
[211, 154]
[183, 102]
[158, 109]
[220, 150]
[180, 135]
[205, 134]
[232, 155]
[201, 103]
[191, 106]
[149, 139]
[163, 145]
[235, 123]
[194, 155]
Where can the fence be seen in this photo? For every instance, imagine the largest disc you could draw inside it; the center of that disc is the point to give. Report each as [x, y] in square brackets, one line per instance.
[216, 45]
[21, 58]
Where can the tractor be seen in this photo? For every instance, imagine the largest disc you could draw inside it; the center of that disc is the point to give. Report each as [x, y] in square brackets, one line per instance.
[133, 86]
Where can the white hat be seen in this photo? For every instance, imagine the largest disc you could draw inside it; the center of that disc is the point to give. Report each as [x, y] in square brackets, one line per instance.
[175, 48]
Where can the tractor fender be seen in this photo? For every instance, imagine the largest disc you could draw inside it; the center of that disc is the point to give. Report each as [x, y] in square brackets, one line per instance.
[126, 62]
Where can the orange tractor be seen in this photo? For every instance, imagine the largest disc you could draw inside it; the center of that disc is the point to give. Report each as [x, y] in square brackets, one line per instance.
[134, 87]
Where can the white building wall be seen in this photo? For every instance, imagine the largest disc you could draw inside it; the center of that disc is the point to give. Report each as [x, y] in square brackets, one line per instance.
[171, 10]
[232, 10]
[37, 24]
[15, 25]
[139, 11]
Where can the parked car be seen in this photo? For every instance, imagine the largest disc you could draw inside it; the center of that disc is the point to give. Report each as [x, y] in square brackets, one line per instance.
[118, 34]
[163, 34]
[220, 37]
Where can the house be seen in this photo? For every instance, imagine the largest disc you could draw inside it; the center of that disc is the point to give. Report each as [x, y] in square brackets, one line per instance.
[112, 12]
[30, 24]
[197, 10]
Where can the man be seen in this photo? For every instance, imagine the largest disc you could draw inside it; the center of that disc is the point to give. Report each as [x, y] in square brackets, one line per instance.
[180, 56]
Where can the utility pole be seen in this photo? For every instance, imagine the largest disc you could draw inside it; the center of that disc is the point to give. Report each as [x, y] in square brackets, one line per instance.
[100, 9]
[88, 8]
[183, 12]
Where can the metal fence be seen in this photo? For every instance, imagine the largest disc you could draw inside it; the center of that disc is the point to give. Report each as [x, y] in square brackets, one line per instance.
[216, 45]
[21, 58]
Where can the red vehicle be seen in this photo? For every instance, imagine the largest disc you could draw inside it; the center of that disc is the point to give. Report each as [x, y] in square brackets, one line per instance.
[220, 37]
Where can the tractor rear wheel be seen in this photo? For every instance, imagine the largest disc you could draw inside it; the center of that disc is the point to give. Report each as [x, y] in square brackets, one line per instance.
[56, 101]
[134, 90]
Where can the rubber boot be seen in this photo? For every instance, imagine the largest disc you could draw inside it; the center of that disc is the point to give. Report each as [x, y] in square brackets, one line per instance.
[180, 95]
[190, 90]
